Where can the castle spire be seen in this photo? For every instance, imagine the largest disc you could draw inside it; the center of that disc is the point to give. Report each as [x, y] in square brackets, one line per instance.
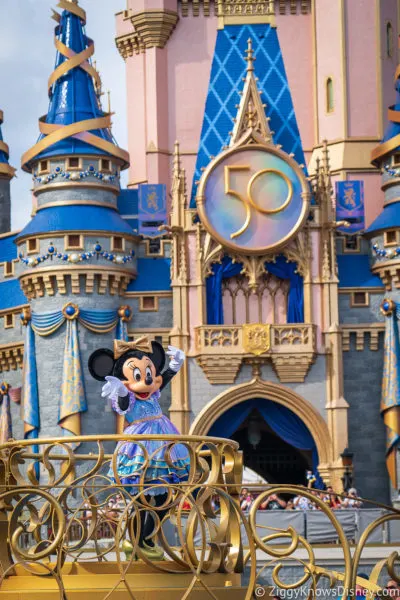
[75, 122]
[251, 119]
[6, 170]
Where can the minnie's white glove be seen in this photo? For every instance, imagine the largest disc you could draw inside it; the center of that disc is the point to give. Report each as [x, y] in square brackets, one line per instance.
[177, 358]
[113, 388]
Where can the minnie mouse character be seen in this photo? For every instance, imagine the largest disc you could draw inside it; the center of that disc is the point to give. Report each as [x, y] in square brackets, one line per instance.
[134, 380]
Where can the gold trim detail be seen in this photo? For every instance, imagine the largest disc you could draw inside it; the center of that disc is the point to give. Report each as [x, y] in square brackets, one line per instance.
[142, 307]
[80, 130]
[164, 243]
[76, 203]
[11, 356]
[361, 333]
[154, 27]
[7, 170]
[78, 280]
[256, 338]
[378, 153]
[109, 187]
[258, 388]
[152, 334]
[252, 132]
[221, 349]
[292, 7]
[67, 245]
[354, 304]
[148, 293]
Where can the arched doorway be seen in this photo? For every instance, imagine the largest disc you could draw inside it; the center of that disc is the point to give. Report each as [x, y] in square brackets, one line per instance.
[240, 399]
[275, 442]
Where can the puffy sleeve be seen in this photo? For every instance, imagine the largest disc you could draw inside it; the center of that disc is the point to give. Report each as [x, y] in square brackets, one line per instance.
[123, 405]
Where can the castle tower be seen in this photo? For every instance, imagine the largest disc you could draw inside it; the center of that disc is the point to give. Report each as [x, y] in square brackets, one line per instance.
[77, 254]
[6, 174]
[384, 235]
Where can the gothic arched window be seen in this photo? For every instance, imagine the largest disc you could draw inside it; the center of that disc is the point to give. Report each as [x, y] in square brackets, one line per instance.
[330, 101]
[389, 40]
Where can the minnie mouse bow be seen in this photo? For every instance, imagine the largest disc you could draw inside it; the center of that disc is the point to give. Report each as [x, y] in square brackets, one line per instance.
[142, 344]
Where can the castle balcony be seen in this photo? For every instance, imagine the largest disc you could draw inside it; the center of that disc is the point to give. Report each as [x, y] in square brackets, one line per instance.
[71, 530]
[221, 349]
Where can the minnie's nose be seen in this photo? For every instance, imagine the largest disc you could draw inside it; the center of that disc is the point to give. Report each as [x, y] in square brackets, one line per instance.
[148, 380]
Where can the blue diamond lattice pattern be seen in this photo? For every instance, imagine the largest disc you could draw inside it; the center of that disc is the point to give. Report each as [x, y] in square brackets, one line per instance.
[226, 81]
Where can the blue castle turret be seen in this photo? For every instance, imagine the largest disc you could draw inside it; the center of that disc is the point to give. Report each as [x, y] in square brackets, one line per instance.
[384, 235]
[77, 254]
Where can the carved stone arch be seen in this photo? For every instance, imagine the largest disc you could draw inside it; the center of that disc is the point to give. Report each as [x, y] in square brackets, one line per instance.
[258, 388]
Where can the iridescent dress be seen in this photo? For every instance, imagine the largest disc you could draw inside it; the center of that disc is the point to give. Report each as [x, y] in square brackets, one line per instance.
[146, 418]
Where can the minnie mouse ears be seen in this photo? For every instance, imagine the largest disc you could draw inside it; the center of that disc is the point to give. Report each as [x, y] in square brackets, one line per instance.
[101, 362]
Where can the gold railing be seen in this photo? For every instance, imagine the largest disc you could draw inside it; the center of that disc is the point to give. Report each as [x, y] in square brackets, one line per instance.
[222, 348]
[66, 524]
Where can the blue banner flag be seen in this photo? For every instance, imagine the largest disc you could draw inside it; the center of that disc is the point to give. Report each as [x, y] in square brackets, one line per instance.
[152, 208]
[350, 205]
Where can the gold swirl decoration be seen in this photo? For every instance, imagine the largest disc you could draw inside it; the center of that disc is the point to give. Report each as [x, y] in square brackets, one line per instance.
[385, 148]
[80, 130]
[82, 514]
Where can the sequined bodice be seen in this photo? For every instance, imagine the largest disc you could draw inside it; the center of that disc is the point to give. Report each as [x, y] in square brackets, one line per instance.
[139, 409]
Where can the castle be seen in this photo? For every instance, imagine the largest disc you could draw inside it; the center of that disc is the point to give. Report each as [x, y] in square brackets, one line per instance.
[255, 233]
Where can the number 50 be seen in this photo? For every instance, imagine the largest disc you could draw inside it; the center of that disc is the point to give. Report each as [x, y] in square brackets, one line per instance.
[248, 199]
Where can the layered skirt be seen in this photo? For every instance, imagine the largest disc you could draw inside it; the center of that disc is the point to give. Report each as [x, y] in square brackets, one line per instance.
[151, 462]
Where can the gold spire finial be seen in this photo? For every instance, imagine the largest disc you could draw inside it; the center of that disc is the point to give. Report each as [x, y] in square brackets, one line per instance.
[251, 119]
[250, 55]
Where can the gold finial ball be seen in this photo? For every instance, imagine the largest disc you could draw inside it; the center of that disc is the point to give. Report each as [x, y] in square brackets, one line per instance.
[125, 313]
[26, 315]
[387, 307]
[71, 311]
[4, 387]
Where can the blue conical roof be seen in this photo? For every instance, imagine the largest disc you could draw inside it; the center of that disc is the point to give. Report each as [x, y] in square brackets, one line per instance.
[73, 97]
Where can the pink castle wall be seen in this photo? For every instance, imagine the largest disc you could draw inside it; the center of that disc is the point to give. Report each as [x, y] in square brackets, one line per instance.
[388, 13]
[295, 37]
[188, 77]
[361, 34]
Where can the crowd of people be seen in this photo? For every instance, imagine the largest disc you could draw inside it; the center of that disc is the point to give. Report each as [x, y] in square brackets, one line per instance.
[274, 502]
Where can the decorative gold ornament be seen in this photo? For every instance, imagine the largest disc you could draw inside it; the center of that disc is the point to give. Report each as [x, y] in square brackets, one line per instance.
[256, 338]
[253, 198]
[26, 315]
[4, 387]
[387, 307]
[125, 313]
[53, 132]
[70, 311]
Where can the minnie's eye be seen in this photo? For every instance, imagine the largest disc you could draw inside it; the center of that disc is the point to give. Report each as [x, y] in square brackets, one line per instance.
[148, 372]
[137, 374]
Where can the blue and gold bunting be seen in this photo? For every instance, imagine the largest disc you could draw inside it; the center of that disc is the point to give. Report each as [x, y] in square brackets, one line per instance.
[73, 398]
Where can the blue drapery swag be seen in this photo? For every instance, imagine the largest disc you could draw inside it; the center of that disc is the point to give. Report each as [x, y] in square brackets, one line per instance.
[390, 401]
[281, 268]
[286, 424]
[73, 397]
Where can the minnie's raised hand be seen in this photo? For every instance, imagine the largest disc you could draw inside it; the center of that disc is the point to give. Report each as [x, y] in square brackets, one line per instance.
[113, 388]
